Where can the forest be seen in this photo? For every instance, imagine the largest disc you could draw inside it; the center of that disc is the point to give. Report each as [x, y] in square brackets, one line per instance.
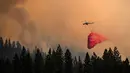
[15, 58]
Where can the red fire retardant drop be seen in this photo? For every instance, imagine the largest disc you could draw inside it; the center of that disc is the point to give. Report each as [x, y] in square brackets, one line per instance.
[94, 39]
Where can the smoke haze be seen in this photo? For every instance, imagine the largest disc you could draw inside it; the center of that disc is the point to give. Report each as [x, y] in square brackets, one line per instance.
[59, 21]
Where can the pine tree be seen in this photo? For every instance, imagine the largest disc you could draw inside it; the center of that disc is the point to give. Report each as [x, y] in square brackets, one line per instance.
[9, 43]
[50, 52]
[49, 63]
[18, 45]
[2, 65]
[13, 45]
[87, 64]
[111, 61]
[75, 62]
[8, 66]
[126, 67]
[117, 55]
[39, 62]
[1, 47]
[23, 59]
[105, 55]
[94, 57]
[53, 59]
[16, 64]
[94, 62]
[59, 59]
[75, 65]
[23, 53]
[28, 63]
[87, 59]
[80, 66]
[6, 44]
[117, 60]
[1, 43]
[68, 62]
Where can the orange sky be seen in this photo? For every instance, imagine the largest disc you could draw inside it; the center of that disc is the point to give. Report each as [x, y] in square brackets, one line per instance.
[60, 21]
[111, 18]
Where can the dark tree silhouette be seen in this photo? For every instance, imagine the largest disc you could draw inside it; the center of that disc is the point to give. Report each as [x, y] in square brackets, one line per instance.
[87, 64]
[68, 62]
[55, 62]
[16, 64]
[126, 67]
[75, 65]
[2, 66]
[59, 59]
[39, 62]
[6, 44]
[117, 55]
[80, 66]
[8, 66]
[1, 42]
[117, 60]
[49, 63]
[28, 61]
[23, 60]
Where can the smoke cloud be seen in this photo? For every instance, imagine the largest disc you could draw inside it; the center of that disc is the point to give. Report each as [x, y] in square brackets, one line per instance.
[48, 22]
[6, 4]
[16, 24]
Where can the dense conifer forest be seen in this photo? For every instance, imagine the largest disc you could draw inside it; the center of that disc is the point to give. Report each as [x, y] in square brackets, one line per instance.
[15, 58]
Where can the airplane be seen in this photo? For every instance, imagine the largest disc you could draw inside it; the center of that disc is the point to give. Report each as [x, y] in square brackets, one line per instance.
[86, 23]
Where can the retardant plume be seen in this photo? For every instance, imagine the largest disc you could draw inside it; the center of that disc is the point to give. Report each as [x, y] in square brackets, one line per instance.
[94, 39]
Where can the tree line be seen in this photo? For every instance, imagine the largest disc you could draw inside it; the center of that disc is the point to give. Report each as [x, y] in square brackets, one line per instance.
[55, 61]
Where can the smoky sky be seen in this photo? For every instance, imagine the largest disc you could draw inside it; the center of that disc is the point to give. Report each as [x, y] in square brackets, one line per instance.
[56, 21]
[16, 24]
[6, 4]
